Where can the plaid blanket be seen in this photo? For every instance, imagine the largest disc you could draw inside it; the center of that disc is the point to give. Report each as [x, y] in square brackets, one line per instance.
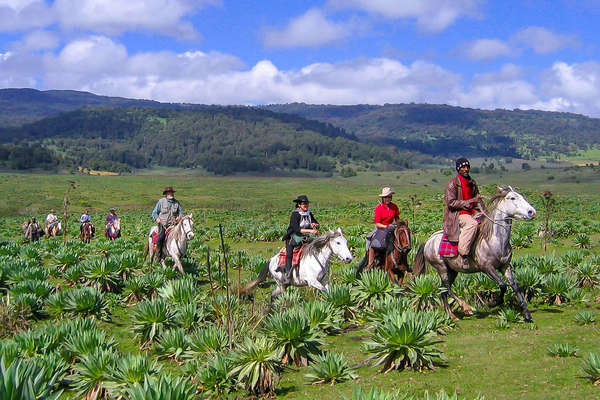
[155, 235]
[448, 248]
[295, 257]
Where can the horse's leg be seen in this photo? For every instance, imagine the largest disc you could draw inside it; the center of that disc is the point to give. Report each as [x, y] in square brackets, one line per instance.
[445, 272]
[492, 273]
[278, 290]
[513, 283]
[452, 274]
[313, 283]
[389, 268]
[177, 262]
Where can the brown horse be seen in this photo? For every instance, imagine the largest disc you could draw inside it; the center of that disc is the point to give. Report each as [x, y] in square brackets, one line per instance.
[86, 232]
[394, 259]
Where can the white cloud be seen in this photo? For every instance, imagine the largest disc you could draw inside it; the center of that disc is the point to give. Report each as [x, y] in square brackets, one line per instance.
[116, 16]
[486, 49]
[543, 41]
[309, 30]
[431, 15]
[40, 40]
[22, 15]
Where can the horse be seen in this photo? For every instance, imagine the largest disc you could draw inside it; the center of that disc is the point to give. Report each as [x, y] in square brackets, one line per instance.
[394, 259]
[175, 244]
[53, 230]
[113, 230]
[313, 270]
[491, 251]
[86, 232]
[32, 231]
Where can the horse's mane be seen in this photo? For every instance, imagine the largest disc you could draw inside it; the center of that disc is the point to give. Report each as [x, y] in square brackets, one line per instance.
[486, 228]
[315, 247]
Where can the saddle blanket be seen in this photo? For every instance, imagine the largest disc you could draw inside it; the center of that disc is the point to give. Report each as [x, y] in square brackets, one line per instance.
[448, 248]
[155, 235]
[295, 257]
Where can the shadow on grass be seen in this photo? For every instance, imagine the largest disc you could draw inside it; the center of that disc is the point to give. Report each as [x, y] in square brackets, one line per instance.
[282, 391]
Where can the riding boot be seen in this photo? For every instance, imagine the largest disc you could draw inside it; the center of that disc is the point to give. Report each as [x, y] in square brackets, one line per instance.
[159, 242]
[286, 274]
[371, 259]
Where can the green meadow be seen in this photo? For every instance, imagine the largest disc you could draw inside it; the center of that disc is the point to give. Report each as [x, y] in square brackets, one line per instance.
[492, 355]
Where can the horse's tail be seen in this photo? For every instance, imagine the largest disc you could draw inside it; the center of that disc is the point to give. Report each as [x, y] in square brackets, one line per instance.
[420, 265]
[361, 267]
[146, 250]
[261, 277]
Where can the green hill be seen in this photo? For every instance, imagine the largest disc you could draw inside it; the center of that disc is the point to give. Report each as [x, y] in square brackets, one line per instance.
[443, 130]
[222, 140]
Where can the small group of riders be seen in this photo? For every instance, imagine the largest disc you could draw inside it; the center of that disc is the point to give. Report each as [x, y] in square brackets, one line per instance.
[462, 206]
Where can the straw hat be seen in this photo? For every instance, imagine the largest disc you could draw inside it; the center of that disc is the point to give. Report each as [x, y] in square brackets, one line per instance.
[169, 189]
[386, 191]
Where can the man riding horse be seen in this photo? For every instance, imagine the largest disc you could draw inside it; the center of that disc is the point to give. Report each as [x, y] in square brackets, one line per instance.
[51, 222]
[461, 198]
[165, 213]
[86, 219]
[111, 219]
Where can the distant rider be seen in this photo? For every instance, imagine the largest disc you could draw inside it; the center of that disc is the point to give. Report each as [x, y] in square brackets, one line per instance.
[110, 220]
[302, 224]
[461, 197]
[85, 217]
[387, 216]
[51, 221]
[165, 214]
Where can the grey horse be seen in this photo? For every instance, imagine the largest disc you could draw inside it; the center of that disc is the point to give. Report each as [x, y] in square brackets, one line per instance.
[491, 251]
[175, 244]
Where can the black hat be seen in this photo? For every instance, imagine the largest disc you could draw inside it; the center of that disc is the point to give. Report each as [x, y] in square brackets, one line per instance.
[461, 162]
[301, 199]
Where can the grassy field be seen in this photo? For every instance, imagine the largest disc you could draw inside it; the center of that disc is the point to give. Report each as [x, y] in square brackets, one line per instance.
[485, 358]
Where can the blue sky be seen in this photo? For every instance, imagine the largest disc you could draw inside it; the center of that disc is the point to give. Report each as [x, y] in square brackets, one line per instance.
[472, 53]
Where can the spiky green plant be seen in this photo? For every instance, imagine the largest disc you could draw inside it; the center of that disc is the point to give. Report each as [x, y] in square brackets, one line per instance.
[289, 299]
[207, 341]
[530, 281]
[382, 307]
[214, 379]
[591, 366]
[376, 394]
[179, 291]
[340, 297]
[562, 350]
[323, 316]
[163, 387]
[27, 304]
[545, 265]
[129, 262]
[188, 315]
[129, 370]
[257, 366]
[582, 241]
[588, 275]
[573, 258]
[404, 343]
[172, 343]
[56, 304]
[20, 270]
[510, 315]
[39, 288]
[9, 351]
[556, 288]
[101, 273]
[373, 285]
[74, 274]
[93, 374]
[135, 288]
[330, 368]
[86, 302]
[425, 291]
[64, 259]
[153, 281]
[152, 317]
[86, 343]
[292, 333]
[30, 253]
[585, 318]
[27, 380]
[346, 276]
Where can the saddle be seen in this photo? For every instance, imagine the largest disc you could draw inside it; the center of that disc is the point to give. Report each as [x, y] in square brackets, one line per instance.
[449, 249]
[167, 232]
[295, 257]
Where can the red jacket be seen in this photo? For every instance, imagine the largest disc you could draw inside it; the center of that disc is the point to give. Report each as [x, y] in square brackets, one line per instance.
[386, 214]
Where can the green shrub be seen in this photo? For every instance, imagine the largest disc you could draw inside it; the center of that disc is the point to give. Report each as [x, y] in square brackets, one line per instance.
[340, 297]
[214, 378]
[26, 380]
[425, 291]
[179, 291]
[129, 370]
[585, 318]
[92, 374]
[330, 368]
[556, 288]
[207, 341]
[323, 316]
[257, 366]
[591, 366]
[172, 343]
[162, 387]
[151, 318]
[374, 285]
[562, 350]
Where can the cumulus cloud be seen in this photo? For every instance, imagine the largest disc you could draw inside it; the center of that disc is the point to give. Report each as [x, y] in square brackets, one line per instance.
[116, 16]
[311, 29]
[431, 15]
[40, 40]
[486, 49]
[22, 15]
[542, 40]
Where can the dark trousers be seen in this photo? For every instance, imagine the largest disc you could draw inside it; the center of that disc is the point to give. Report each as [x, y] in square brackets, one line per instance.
[290, 245]
[160, 239]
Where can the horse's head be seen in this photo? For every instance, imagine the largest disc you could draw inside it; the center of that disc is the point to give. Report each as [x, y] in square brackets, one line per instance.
[188, 226]
[339, 246]
[402, 237]
[514, 205]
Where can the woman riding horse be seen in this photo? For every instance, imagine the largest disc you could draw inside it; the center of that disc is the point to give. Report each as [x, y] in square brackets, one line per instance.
[387, 217]
[302, 224]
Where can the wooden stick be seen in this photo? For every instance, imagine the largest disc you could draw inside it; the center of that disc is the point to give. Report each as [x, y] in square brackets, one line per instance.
[229, 321]
[212, 288]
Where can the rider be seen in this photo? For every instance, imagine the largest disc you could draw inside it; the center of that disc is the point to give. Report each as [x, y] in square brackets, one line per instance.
[111, 217]
[51, 220]
[165, 214]
[462, 195]
[302, 224]
[85, 217]
[387, 216]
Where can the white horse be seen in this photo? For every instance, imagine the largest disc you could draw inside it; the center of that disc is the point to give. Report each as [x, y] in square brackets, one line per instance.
[314, 264]
[113, 229]
[491, 251]
[175, 244]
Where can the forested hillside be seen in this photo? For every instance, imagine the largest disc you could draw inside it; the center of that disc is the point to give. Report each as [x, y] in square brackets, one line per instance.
[222, 140]
[449, 131]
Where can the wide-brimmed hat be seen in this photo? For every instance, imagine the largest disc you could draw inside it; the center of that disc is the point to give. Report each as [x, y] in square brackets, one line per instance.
[169, 189]
[301, 199]
[386, 191]
[112, 209]
[52, 210]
